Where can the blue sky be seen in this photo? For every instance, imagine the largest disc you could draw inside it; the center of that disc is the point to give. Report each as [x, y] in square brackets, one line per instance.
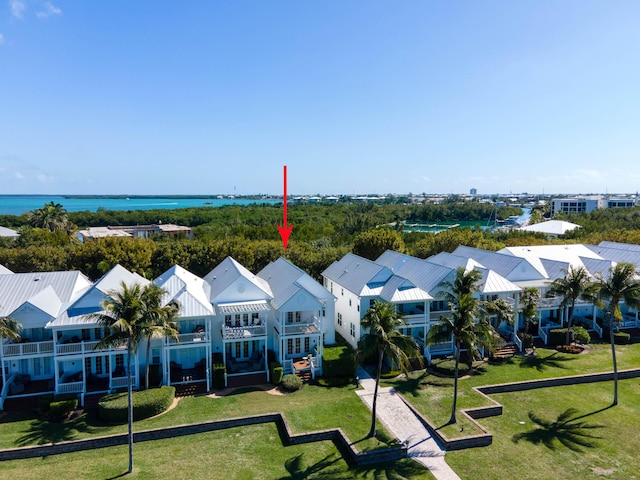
[122, 97]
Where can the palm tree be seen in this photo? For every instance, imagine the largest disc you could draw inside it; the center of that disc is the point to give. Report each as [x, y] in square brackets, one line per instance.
[462, 324]
[575, 284]
[501, 310]
[529, 302]
[127, 313]
[160, 320]
[52, 216]
[10, 329]
[383, 338]
[622, 285]
[466, 281]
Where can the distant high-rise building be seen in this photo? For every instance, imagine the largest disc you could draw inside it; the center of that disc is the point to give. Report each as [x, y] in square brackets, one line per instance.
[473, 191]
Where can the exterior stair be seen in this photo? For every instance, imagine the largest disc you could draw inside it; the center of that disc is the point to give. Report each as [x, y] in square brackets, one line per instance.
[505, 352]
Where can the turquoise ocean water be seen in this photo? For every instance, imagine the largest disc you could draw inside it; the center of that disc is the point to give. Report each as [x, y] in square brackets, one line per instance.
[19, 204]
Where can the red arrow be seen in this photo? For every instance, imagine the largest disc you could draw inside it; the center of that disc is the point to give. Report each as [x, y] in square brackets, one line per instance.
[285, 230]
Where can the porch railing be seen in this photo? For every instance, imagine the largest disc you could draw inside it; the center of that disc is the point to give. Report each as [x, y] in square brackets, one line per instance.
[29, 348]
[83, 347]
[120, 382]
[71, 387]
[301, 328]
[232, 333]
[517, 340]
[187, 338]
[544, 333]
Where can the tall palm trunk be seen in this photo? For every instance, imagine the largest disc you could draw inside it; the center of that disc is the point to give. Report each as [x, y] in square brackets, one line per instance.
[615, 363]
[455, 384]
[570, 321]
[130, 401]
[146, 373]
[372, 430]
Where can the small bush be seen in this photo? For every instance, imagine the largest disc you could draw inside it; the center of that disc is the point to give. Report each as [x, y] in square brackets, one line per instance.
[580, 334]
[527, 339]
[147, 403]
[621, 338]
[291, 382]
[276, 371]
[219, 374]
[62, 408]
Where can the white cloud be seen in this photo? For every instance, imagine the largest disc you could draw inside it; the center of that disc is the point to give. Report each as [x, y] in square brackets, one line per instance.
[17, 8]
[19, 175]
[49, 10]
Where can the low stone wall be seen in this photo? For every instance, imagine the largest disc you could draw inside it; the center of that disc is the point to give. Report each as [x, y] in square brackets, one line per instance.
[347, 449]
[495, 409]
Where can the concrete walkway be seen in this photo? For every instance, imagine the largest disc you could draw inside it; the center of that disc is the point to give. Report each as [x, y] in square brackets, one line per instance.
[404, 425]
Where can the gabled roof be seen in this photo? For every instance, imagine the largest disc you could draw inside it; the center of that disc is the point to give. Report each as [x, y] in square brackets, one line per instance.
[356, 273]
[190, 291]
[285, 280]
[551, 227]
[4, 270]
[399, 289]
[569, 255]
[227, 272]
[423, 274]
[47, 291]
[511, 267]
[92, 297]
[494, 283]
[450, 260]
[618, 252]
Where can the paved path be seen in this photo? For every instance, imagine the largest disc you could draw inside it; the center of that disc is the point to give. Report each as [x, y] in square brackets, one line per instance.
[405, 426]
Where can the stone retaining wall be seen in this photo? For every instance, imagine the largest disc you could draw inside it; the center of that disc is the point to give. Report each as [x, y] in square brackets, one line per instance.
[351, 454]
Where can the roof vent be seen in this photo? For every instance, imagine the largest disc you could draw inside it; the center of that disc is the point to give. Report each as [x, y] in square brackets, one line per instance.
[37, 279]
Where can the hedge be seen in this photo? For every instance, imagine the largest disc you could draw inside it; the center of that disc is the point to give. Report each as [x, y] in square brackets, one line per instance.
[557, 336]
[146, 403]
[276, 371]
[621, 338]
[62, 408]
[219, 374]
[338, 361]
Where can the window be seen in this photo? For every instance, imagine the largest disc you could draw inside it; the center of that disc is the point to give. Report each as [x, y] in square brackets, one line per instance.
[289, 346]
[324, 312]
[298, 317]
[238, 349]
[245, 350]
[306, 344]
[87, 365]
[297, 344]
[245, 319]
[339, 319]
[119, 361]
[349, 301]
[99, 365]
[371, 302]
[342, 289]
[86, 334]
[352, 330]
[255, 317]
[237, 320]
[289, 317]
[227, 320]
[155, 356]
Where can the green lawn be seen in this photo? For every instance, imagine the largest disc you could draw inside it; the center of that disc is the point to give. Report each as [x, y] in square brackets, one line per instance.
[617, 450]
[253, 452]
[311, 408]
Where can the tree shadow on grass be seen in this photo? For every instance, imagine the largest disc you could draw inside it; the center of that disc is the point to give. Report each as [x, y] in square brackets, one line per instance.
[324, 469]
[399, 470]
[555, 360]
[565, 430]
[411, 384]
[42, 431]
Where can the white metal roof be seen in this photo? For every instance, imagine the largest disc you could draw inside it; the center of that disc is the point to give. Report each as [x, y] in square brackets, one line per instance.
[511, 267]
[227, 272]
[618, 252]
[58, 287]
[286, 279]
[4, 270]
[189, 290]
[7, 232]
[356, 274]
[551, 227]
[422, 273]
[568, 254]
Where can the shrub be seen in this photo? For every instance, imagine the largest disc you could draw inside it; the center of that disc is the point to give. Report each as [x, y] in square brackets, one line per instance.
[527, 339]
[580, 334]
[219, 374]
[276, 371]
[147, 403]
[291, 382]
[338, 361]
[621, 338]
[62, 408]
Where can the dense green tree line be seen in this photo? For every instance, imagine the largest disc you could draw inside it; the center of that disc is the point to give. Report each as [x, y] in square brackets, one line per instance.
[322, 234]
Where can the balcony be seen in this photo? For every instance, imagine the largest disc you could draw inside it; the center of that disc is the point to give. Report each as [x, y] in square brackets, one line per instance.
[84, 347]
[187, 338]
[243, 333]
[28, 348]
[308, 327]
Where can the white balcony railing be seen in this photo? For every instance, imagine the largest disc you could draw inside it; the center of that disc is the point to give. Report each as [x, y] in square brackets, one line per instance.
[301, 328]
[72, 387]
[84, 347]
[29, 348]
[184, 338]
[120, 382]
[239, 333]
